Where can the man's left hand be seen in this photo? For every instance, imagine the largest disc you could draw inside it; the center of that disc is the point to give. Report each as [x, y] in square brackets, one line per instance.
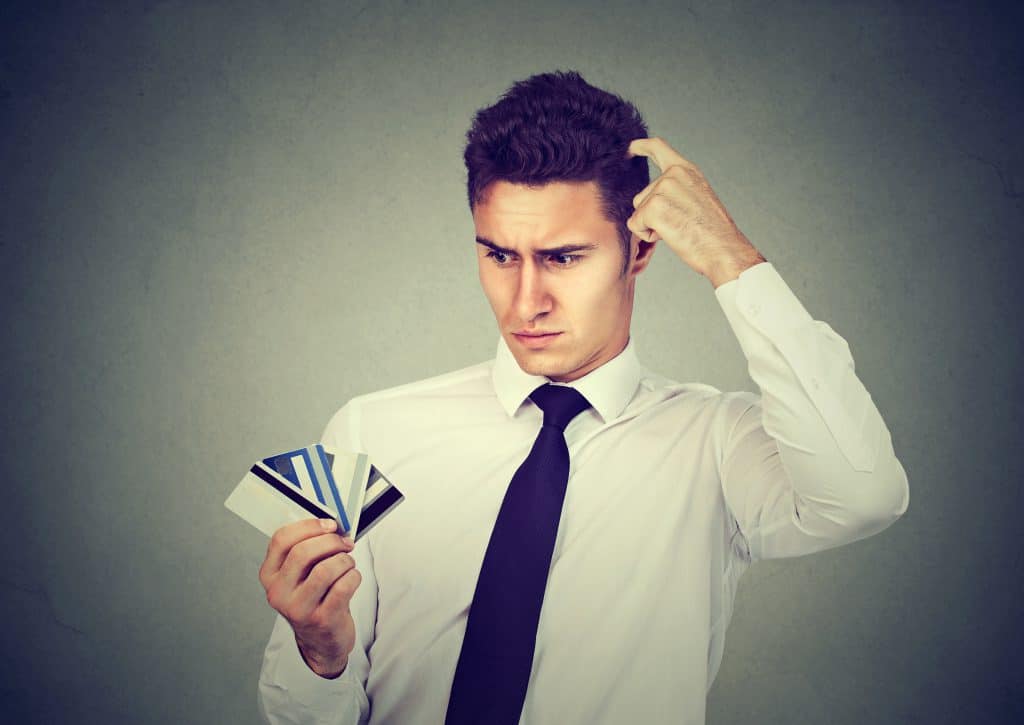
[680, 208]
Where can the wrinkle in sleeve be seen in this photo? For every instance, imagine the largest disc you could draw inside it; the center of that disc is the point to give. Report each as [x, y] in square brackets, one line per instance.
[808, 464]
[291, 693]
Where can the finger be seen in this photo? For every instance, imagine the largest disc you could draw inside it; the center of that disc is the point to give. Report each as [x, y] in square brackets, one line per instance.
[636, 225]
[285, 538]
[312, 591]
[304, 556]
[340, 594]
[641, 197]
[657, 150]
[674, 190]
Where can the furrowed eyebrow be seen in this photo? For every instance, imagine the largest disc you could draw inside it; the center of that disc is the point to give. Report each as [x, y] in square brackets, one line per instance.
[563, 249]
[491, 245]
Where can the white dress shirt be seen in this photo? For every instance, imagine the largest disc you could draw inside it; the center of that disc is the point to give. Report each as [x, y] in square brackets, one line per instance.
[674, 490]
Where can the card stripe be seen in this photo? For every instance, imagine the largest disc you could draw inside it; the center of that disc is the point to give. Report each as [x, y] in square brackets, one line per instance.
[329, 477]
[307, 478]
[356, 492]
[376, 510]
[314, 478]
[300, 464]
[375, 486]
[375, 491]
[291, 493]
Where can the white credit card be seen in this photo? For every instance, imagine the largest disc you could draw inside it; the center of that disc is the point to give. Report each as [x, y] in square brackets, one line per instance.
[314, 482]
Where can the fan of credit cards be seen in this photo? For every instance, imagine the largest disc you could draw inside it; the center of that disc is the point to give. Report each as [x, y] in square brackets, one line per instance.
[314, 482]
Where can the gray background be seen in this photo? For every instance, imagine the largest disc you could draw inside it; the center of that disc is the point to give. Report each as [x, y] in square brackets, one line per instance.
[221, 222]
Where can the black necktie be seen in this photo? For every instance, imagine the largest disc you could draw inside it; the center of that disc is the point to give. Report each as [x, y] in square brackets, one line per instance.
[497, 653]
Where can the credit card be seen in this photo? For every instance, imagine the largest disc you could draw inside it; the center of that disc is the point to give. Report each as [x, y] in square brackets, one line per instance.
[314, 482]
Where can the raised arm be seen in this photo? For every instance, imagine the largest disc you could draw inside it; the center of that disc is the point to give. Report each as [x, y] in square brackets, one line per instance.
[810, 464]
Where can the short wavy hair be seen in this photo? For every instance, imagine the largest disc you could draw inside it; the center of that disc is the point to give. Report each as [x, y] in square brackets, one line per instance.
[557, 127]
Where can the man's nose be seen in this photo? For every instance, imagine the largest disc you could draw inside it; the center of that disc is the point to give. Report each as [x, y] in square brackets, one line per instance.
[532, 297]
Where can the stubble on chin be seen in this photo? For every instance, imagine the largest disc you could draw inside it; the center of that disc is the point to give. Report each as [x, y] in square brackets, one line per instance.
[555, 369]
[536, 366]
[533, 367]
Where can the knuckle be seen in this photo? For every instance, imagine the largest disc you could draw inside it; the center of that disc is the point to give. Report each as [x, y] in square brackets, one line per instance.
[289, 562]
[343, 592]
[323, 574]
[339, 561]
[299, 548]
[351, 580]
[318, 619]
[294, 613]
[280, 601]
[672, 185]
[326, 571]
[299, 555]
[345, 587]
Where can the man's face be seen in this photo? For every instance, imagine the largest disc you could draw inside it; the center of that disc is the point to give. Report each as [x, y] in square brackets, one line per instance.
[551, 266]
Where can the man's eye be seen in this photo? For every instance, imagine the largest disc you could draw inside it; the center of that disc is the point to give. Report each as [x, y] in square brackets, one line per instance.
[499, 257]
[564, 260]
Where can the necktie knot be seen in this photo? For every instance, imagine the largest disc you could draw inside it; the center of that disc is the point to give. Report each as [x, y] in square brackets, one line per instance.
[560, 404]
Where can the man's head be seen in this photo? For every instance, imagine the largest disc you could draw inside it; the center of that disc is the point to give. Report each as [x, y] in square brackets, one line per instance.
[550, 187]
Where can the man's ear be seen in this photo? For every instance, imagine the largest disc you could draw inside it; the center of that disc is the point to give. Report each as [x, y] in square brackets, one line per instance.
[641, 254]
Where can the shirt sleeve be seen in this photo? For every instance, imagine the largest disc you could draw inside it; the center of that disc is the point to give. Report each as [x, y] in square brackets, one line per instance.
[291, 693]
[809, 464]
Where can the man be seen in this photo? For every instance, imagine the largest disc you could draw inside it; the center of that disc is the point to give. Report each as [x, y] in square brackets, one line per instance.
[670, 490]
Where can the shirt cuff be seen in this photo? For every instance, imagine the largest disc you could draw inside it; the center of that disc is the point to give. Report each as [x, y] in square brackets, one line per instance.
[772, 326]
[287, 671]
[760, 297]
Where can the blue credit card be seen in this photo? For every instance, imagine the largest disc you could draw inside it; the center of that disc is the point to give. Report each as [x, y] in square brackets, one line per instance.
[314, 482]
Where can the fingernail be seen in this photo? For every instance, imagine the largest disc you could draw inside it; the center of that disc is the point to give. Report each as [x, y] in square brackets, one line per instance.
[348, 540]
[328, 524]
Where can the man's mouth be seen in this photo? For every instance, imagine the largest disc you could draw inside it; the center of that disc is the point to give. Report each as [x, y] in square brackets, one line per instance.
[535, 339]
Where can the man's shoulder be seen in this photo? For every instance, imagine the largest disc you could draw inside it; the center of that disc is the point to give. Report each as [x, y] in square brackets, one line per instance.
[417, 402]
[419, 398]
[453, 381]
[680, 393]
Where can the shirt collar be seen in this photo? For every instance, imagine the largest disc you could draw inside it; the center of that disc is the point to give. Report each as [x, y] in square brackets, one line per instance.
[608, 388]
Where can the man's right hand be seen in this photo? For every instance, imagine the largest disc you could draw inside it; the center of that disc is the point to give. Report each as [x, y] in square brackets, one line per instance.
[310, 578]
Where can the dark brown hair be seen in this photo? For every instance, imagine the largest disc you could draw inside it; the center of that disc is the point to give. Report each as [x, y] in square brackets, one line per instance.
[557, 127]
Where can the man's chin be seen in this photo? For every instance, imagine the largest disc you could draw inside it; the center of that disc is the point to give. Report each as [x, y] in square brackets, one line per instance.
[539, 362]
[531, 365]
[552, 361]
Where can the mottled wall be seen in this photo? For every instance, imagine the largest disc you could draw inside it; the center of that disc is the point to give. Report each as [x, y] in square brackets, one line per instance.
[221, 222]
